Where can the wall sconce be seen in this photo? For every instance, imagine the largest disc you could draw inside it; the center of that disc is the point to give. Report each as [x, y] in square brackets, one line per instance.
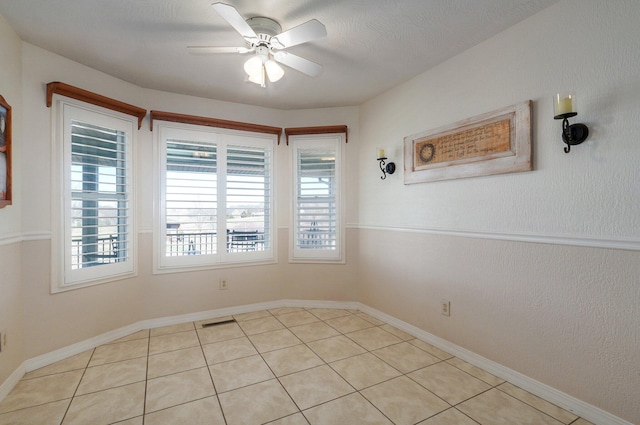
[564, 107]
[389, 168]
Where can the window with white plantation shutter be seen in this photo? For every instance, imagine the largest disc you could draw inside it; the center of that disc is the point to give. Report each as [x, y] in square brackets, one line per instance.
[215, 196]
[96, 240]
[317, 232]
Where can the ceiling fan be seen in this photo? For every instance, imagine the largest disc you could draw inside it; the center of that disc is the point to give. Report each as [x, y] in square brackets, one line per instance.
[264, 38]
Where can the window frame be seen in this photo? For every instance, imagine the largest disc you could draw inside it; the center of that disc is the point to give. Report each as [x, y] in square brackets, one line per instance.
[297, 255]
[223, 138]
[64, 278]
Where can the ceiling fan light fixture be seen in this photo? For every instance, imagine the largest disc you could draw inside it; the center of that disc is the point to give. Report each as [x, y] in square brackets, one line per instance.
[264, 35]
[257, 79]
[274, 71]
[260, 67]
[254, 65]
[254, 68]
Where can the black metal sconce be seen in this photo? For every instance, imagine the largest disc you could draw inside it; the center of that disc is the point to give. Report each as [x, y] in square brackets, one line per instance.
[564, 107]
[386, 168]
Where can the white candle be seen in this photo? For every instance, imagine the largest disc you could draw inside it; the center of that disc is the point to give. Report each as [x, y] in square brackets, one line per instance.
[381, 153]
[563, 105]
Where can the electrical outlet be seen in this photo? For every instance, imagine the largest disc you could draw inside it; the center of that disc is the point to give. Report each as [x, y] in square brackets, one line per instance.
[3, 340]
[445, 307]
[223, 284]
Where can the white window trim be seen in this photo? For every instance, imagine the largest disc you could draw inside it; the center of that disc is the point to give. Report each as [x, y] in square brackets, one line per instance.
[163, 264]
[61, 280]
[338, 256]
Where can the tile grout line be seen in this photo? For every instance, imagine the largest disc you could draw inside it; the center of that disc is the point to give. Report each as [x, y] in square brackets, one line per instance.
[462, 413]
[146, 381]
[530, 405]
[272, 372]
[276, 376]
[206, 363]
[66, 412]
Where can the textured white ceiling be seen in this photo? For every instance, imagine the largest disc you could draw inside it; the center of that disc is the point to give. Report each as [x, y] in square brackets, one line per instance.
[372, 45]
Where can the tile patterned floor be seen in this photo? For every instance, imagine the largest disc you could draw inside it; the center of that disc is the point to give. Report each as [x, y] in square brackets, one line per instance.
[286, 366]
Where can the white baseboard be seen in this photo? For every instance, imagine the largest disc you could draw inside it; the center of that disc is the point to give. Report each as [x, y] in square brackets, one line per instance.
[552, 395]
[347, 305]
[105, 338]
[11, 381]
[572, 404]
[77, 348]
[209, 314]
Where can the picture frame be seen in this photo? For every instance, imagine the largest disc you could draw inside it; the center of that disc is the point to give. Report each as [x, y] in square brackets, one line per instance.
[5, 153]
[496, 142]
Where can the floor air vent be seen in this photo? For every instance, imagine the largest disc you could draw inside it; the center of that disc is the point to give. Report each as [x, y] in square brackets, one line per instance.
[221, 322]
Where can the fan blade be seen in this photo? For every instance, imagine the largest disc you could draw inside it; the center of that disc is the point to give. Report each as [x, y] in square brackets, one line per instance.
[233, 17]
[309, 31]
[210, 50]
[299, 64]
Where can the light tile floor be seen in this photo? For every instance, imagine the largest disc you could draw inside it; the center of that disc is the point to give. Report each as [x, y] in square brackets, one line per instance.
[286, 366]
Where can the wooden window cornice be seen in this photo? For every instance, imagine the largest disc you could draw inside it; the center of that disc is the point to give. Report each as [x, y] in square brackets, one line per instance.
[327, 129]
[213, 122]
[82, 95]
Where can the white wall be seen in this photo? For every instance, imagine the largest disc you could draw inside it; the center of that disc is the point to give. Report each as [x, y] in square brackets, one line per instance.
[10, 216]
[562, 312]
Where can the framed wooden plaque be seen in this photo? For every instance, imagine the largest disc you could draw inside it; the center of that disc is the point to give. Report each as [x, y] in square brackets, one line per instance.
[493, 143]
